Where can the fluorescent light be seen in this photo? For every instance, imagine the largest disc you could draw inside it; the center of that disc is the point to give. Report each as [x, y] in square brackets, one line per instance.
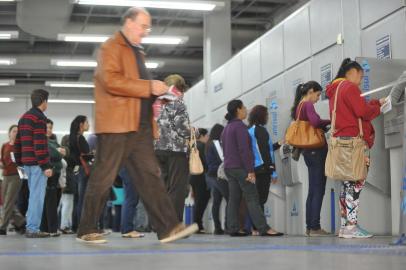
[7, 0]
[161, 40]
[7, 82]
[152, 65]
[164, 40]
[69, 84]
[8, 34]
[185, 5]
[8, 61]
[74, 101]
[73, 63]
[82, 38]
[92, 63]
[6, 99]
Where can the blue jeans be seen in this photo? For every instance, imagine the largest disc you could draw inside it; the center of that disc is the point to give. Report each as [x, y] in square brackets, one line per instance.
[81, 180]
[128, 210]
[37, 183]
[219, 190]
[315, 161]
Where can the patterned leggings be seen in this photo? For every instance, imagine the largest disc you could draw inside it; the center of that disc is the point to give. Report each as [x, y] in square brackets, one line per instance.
[349, 202]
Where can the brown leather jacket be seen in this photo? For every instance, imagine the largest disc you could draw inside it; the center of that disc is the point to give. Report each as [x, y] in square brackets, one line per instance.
[118, 88]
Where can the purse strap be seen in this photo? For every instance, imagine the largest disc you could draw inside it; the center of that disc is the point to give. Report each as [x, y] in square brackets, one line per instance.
[192, 138]
[334, 116]
[299, 111]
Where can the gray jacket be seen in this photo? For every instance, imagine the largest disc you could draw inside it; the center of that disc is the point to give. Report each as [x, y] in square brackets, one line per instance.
[174, 128]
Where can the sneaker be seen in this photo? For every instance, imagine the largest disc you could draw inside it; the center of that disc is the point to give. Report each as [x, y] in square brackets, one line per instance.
[354, 232]
[341, 232]
[3, 232]
[307, 233]
[37, 235]
[180, 231]
[55, 234]
[133, 234]
[318, 233]
[92, 238]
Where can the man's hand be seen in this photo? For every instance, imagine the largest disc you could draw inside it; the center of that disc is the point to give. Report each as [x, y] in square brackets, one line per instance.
[48, 173]
[159, 88]
[382, 101]
[62, 151]
[251, 178]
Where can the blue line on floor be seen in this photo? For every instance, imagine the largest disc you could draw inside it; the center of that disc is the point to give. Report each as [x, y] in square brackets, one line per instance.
[352, 249]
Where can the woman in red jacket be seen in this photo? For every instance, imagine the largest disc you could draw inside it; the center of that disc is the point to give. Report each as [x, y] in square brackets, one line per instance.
[351, 107]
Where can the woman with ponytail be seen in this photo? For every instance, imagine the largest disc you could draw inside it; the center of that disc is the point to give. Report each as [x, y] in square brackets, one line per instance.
[350, 108]
[303, 108]
[239, 168]
[78, 147]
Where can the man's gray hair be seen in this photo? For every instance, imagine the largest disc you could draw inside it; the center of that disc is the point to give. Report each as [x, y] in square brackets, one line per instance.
[132, 14]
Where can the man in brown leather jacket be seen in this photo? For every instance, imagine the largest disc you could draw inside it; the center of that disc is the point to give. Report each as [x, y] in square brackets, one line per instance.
[124, 93]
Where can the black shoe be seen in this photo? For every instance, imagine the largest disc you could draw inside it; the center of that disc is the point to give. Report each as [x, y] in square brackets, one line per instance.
[67, 231]
[218, 232]
[3, 232]
[272, 234]
[37, 235]
[238, 234]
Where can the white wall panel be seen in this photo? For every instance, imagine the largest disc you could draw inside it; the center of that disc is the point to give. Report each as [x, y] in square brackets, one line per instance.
[297, 38]
[197, 102]
[395, 27]
[228, 79]
[325, 23]
[374, 10]
[251, 66]
[272, 55]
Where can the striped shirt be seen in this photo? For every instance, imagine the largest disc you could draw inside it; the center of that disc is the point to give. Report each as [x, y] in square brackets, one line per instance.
[31, 145]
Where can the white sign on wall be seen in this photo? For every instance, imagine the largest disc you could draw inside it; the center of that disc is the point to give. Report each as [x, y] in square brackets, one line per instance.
[383, 48]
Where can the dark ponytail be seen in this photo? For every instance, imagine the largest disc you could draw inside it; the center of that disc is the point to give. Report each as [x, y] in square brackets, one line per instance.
[301, 91]
[346, 66]
[74, 130]
[232, 108]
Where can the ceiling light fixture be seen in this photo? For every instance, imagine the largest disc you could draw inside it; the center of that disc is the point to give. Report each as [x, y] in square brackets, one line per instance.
[6, 99]
[69, 84]
[8, 34]
[73, 63]
[92, 63]
[8, 61]
[184, 5]
[7, 82]
[161, 40]
[71, 101]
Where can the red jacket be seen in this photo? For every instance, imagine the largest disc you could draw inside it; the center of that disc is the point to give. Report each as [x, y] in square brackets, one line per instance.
[350, 107]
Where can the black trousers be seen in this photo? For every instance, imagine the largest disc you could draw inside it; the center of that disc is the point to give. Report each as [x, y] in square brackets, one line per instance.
[135, 151]
[175, 174]
[201, 196]
[49, 222]
[263, 183]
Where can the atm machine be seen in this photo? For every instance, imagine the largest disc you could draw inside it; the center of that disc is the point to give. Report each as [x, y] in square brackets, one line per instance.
[385, 178]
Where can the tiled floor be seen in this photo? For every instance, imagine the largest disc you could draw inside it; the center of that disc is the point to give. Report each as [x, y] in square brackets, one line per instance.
[202, 252]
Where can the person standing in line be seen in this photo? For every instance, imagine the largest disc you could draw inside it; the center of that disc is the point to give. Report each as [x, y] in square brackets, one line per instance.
[307, 95]
[219, 187]
[125, 130]
[201, 192]
[31, 153]
[239, 168]
[171, 147]
[49, 222]
[80, 155]
[10, 187]
[350, 108]
[263, 149]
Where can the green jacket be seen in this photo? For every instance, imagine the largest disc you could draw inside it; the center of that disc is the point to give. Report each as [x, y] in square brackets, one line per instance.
[55, 156]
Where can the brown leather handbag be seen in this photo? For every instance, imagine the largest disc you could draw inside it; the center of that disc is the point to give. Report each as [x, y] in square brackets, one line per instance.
[346, 159]
[301, 134]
